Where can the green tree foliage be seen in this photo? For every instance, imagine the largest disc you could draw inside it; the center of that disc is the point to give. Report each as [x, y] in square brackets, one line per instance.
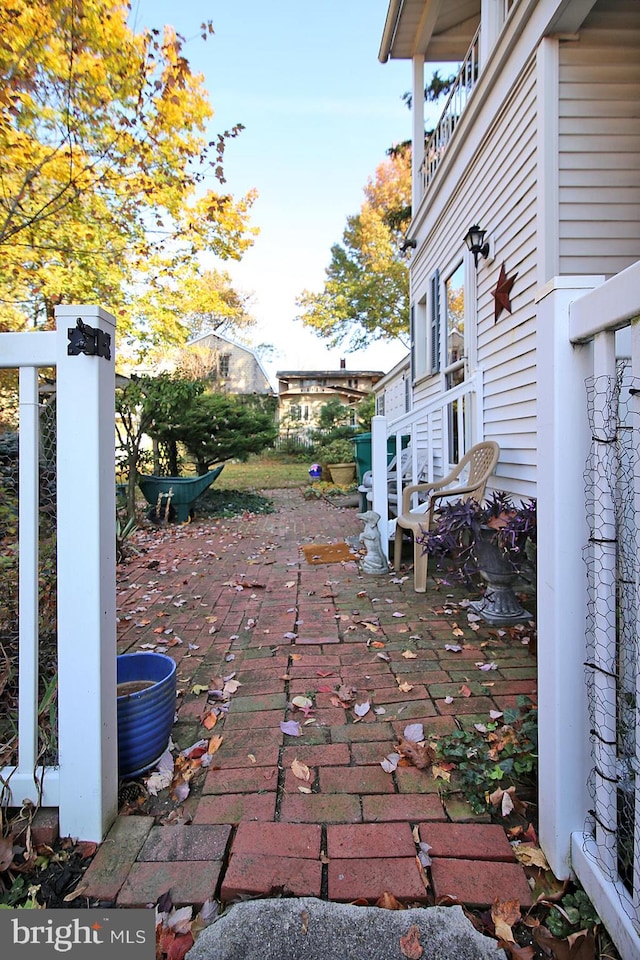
[436, 88]
[103, 160]
[365, 411]
[176, 308]
[219, 427]
[366, 293]
[335, 422]
[334, 413]
[149, 406]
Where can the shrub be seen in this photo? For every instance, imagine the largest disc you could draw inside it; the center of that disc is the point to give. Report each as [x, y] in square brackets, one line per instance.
[337, 451]
[458, 524]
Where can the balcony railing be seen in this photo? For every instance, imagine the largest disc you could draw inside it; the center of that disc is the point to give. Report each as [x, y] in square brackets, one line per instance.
[456, 102]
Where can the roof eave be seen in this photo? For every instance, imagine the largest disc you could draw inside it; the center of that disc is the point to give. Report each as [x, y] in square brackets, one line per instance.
[390, 27]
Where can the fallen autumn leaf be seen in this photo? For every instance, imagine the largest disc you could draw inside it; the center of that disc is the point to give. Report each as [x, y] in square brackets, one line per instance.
[387, 901]
[291, 728]
[504, 914]
[300, 770]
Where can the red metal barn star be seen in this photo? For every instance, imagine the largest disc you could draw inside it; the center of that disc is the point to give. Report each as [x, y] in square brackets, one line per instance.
[501, 294]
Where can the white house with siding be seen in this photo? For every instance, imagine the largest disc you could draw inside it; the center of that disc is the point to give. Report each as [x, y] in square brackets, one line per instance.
[228, 366]
[393, 392]
[234, 367]
[538, 145]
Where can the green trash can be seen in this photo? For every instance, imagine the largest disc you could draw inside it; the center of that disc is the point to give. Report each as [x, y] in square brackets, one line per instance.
[362, 444]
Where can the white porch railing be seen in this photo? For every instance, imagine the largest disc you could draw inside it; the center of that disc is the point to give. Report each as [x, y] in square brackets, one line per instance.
[431, 427]
[588, 615]
[84, 785]
[456, 102]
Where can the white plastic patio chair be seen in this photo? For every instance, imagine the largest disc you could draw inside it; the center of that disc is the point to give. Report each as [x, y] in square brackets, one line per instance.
[481, 461]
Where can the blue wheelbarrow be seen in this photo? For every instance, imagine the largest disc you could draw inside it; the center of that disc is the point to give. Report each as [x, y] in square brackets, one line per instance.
[172, 498]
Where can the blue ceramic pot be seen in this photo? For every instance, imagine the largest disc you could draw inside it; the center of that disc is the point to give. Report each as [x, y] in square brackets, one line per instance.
[146, 710]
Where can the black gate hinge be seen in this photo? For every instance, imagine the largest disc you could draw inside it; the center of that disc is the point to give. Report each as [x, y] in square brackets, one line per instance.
[91, 341]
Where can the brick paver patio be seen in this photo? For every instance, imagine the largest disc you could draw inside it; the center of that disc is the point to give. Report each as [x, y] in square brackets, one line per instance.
[242, 600]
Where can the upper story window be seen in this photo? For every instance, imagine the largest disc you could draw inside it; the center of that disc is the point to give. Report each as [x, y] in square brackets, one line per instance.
[224, 364]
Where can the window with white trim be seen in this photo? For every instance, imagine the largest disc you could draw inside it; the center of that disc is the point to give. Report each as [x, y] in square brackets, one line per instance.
[454, 369]
[454, 327]
[433, 344]
[419, 338]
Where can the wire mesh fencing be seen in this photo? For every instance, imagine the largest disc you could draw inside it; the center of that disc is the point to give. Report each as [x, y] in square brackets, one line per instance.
[612, 488]
[46, 585]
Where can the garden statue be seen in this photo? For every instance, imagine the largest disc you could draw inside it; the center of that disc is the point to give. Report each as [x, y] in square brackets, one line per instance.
[375, 560]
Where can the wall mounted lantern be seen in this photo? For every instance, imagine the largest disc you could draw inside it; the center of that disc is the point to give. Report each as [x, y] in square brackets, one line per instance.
[476, 243]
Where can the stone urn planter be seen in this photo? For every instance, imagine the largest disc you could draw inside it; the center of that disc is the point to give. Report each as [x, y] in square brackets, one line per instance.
[342, 474]
[500, 604]
[146, 710]
[337, 457]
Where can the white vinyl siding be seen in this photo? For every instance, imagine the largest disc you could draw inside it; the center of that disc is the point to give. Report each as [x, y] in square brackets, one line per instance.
[599, 129]
[498, 191]
[394, 395]
[236, 365]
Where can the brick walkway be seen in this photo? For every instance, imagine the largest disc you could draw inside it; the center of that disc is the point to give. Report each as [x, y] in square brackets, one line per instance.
[242, 599]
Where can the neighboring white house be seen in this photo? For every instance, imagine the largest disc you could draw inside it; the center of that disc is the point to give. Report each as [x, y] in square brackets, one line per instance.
[393, 392]
[538, 146]
[234, 367]
[230, 367]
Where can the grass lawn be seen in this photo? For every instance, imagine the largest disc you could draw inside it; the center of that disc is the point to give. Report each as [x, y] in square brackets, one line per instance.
[260, 473]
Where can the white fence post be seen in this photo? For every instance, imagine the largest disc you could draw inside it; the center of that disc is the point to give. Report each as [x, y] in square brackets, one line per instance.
[28, 572]
[563, 447]
[87, 722]
[380, 491]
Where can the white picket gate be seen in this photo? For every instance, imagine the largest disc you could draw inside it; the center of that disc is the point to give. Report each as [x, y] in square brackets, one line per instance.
[84, 784]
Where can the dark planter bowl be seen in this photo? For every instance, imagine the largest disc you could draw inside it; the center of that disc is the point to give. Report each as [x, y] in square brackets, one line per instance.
[145, 716]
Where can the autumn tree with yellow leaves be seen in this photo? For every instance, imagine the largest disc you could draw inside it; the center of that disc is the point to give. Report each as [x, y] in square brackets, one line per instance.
[105, 174]
[366, 291]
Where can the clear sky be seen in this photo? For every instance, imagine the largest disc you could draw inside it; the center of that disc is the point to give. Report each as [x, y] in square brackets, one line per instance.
[319, 111]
